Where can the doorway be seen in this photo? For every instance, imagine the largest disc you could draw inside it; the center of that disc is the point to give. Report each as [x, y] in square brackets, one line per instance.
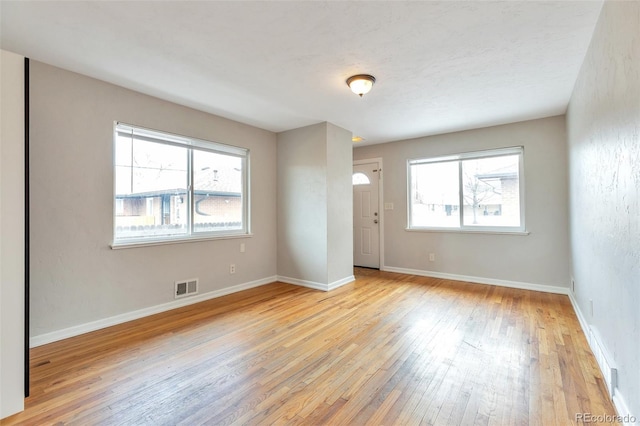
[367, 216]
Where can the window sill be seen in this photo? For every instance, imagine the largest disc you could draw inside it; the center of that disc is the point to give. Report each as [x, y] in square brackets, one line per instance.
[469, 231]
[139, 243]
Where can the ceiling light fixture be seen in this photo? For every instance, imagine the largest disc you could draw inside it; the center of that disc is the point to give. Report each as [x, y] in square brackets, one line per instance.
[361, 84]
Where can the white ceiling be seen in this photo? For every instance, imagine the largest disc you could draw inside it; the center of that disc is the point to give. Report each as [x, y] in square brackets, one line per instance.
[441, 66]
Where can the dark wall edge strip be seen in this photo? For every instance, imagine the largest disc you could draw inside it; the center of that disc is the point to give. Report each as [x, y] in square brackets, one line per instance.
[26, 229]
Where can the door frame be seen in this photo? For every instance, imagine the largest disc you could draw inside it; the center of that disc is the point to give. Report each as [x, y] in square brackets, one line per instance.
[378, 161]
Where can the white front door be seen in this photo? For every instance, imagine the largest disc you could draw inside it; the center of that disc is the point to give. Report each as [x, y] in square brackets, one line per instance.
[366, 217]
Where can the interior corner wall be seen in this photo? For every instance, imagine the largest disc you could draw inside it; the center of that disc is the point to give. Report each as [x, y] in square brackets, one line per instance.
[76, 278]
[12, 234]
[339, 204]
[603, 123]
[540, 258]
[302, 204]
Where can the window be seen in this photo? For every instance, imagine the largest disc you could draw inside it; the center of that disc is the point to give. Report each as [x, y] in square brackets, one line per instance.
[169, 187]
[481, 191]
[360, 178]
[119, 207]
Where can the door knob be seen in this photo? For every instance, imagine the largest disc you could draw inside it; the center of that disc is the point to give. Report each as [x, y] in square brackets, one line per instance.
[375, 220]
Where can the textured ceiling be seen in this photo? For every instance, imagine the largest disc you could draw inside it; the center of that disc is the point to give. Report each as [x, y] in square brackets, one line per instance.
[440, 66]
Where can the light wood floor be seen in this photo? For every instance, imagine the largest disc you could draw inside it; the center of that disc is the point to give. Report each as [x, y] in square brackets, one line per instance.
[387, 349]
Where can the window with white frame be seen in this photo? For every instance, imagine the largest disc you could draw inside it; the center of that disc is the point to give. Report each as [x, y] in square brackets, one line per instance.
[473, 191]
[170, 187]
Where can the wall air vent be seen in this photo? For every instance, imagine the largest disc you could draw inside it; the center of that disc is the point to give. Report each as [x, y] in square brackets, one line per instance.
[186, 287]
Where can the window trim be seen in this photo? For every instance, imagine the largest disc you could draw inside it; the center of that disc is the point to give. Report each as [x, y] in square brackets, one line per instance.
[191, 144]
[472, 155]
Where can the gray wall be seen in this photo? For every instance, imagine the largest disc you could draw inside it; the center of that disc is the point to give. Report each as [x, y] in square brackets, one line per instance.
[540, 258]
[12, 231]
[603, 122]
[340, 204]
[76, 277]
[315, 211]
[302, 203]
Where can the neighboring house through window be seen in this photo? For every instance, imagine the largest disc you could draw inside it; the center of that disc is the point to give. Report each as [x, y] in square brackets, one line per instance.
[170, 187]
[472, 191]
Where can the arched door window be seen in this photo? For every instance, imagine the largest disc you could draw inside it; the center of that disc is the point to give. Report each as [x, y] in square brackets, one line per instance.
[360, 178]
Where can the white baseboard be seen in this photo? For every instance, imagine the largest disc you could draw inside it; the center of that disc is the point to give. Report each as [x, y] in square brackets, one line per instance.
[581, 318]
[65, 333]
[54, 336]
[600, 353]
[340, 283]
[304, 283]
[479, 280]
[604, 360]
[626, 418]
[315, 285]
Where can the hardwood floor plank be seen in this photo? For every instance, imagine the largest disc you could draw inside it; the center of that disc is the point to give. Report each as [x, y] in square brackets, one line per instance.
[388, 349]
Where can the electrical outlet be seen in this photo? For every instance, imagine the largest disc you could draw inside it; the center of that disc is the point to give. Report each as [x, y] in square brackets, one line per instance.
[232, 268]
[591, 307]
[241, 247]
[573, 285]
[432, 257]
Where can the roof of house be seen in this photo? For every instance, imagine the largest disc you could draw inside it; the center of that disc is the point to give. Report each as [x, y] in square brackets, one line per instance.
[223, 180]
